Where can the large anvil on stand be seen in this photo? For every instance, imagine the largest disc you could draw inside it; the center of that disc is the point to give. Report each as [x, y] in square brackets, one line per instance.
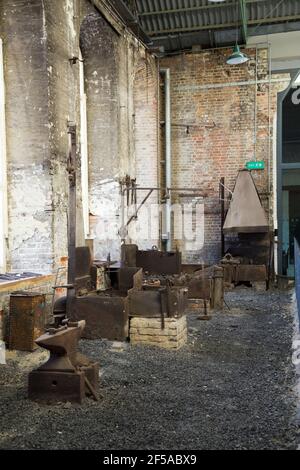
[67, 375]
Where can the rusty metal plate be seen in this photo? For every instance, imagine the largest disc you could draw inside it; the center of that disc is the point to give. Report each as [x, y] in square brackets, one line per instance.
[229, 273]
[126, 278]
[128, 255]
[191, 268]
[138, 279]
[106, 316]
[83, 268]
[27, 320]
[158, 262]
[199, 288]
[251, 273]
[150, 303]
[144, 303]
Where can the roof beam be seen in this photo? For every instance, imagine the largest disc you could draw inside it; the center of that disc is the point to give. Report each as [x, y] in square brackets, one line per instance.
[191, 9]
[261, 21]
[244, 18]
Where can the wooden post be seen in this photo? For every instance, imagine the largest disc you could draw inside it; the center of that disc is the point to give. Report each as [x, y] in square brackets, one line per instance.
[217, 301]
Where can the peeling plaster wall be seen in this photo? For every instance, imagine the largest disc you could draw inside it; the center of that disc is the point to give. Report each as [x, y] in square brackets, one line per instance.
[111, 61]
[62, 25]
[22, 28]
[99, 46]
[42, 95]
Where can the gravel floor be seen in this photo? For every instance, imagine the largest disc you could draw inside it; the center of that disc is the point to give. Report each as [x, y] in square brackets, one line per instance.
[231, 387]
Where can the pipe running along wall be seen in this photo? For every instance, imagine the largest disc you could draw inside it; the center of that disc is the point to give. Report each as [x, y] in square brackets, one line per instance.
[167, 229]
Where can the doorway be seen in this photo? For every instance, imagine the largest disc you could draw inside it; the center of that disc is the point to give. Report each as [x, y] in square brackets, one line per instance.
[289, 177]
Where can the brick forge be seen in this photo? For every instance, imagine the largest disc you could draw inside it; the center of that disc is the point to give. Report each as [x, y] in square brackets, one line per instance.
[151, 332]
[218, 102]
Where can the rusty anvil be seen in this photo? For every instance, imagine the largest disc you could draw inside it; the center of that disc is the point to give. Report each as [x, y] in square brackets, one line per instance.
[67, 375]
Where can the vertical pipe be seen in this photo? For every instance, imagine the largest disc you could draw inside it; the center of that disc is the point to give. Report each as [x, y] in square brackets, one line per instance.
[222, 195]
[255, 105]
[84, 150]
[168, 154]
[71, 164]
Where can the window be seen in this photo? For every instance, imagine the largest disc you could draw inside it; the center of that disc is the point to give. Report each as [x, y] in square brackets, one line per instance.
[291, 128]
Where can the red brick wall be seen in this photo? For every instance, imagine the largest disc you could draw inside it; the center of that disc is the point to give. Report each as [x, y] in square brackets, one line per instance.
[221, 139]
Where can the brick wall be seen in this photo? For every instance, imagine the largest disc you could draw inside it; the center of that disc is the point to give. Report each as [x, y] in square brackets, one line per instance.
[218, 101]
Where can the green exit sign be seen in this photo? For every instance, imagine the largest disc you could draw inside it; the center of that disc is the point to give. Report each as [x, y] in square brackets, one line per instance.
[255, 165]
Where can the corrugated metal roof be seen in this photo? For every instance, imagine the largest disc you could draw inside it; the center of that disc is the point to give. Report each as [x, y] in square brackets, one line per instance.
[161, 19]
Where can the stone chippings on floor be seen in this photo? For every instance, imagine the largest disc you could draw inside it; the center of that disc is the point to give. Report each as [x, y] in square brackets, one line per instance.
[231, 387]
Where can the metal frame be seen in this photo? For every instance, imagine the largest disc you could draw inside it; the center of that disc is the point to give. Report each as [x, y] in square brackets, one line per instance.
[259, 22]
[282, 166]
[124, 190]
[197, 8]
[244, 18]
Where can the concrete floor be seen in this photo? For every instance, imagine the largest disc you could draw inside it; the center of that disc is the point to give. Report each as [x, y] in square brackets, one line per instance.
[231, 387]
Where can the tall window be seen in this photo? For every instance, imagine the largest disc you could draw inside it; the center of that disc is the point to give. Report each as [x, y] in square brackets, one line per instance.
[3, 175]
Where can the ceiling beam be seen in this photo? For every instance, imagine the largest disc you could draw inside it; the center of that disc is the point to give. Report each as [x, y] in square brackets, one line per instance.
[191, 9]
[244, 19]
[279, 19]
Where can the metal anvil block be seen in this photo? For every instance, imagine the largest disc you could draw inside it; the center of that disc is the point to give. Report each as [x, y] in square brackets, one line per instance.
[67, 375]
[56, 386]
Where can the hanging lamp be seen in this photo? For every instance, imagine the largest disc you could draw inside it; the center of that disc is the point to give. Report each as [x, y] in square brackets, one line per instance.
[237, 57]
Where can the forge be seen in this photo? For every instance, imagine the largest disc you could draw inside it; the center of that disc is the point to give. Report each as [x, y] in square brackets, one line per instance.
[106, 295]
[248, 241]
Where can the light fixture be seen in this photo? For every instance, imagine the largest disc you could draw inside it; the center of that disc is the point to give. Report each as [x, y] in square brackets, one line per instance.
[216, 1]
[237, 57]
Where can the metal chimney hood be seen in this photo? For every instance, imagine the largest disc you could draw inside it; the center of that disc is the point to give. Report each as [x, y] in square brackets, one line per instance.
[245, 214]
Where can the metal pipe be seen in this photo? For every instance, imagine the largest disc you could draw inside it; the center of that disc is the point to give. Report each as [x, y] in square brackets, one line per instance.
[165, 72]
[71, 167]
[214, 86]
[255, 106]
[270, 136]
[84, 150]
